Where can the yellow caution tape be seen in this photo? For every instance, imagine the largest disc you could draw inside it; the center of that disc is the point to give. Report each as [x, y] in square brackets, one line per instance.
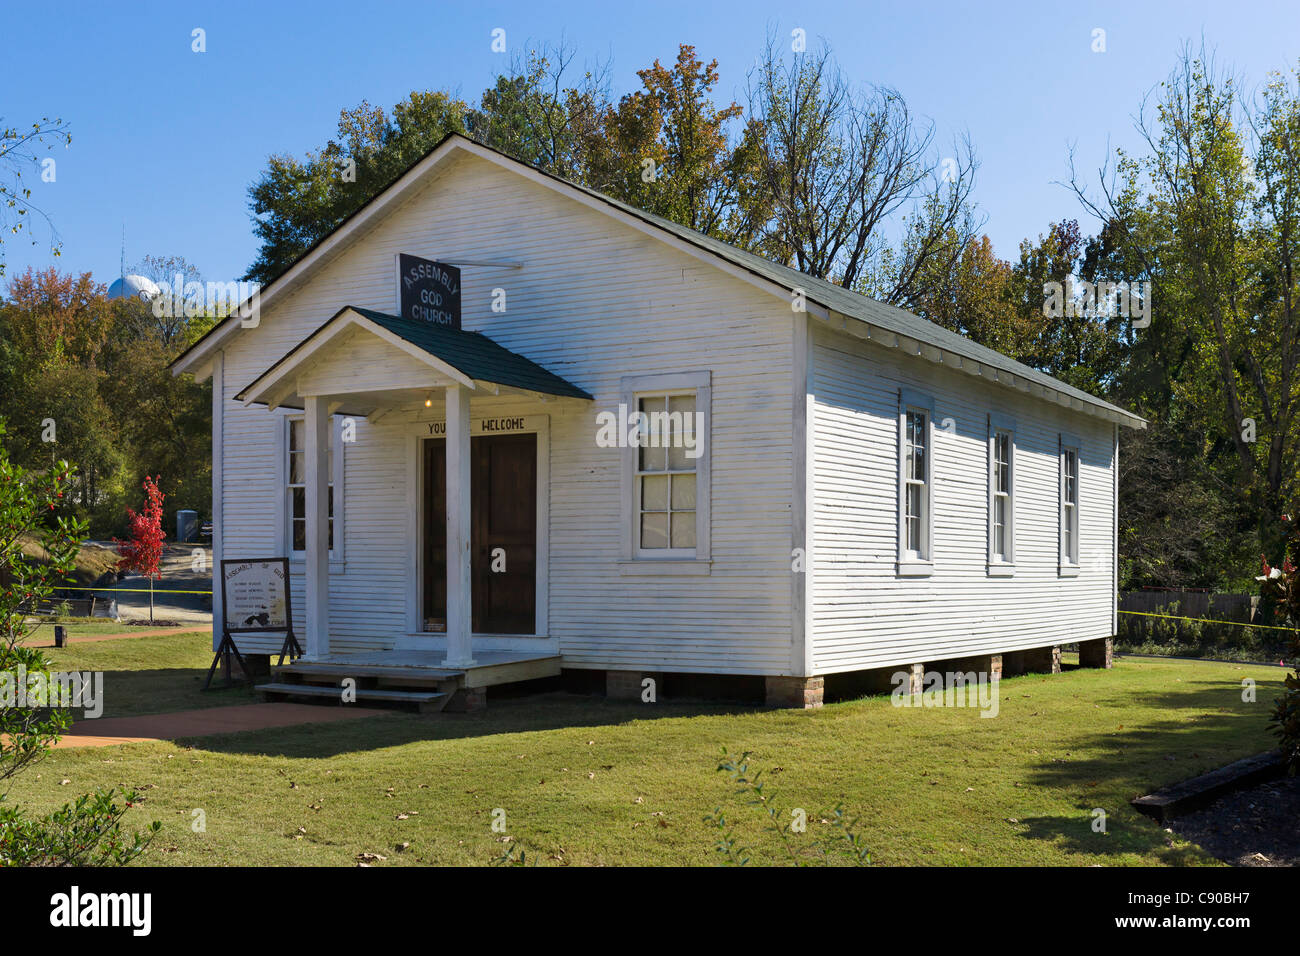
[1204, 620]
[69, 587]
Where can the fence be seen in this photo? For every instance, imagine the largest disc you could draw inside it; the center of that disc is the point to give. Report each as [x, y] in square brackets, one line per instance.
[66, 607]
[1242, 608]
[1199, 624]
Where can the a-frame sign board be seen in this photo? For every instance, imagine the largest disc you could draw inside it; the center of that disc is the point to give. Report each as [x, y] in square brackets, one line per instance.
[254, 600]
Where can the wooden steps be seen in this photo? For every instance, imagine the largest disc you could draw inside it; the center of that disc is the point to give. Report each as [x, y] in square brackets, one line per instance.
[425, 701]
[378, 672]
[411, 679]
[426, 689]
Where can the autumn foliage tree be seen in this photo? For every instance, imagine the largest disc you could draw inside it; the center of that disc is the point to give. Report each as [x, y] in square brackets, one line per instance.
[142, 551]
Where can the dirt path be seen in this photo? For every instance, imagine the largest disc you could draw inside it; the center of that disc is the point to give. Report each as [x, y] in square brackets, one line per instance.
[1254, 827]
[148, 728]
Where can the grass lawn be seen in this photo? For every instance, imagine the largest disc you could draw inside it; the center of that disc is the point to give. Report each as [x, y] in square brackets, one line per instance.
[87, 626]
[91, 562]
[587, 781]
[147, 675]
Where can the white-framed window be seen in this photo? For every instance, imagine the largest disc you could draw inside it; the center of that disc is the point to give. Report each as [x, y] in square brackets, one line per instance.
[666, 473]
[294, 502]
[666, 477]
[1002, 496]
[1070, 472]
[915, 483]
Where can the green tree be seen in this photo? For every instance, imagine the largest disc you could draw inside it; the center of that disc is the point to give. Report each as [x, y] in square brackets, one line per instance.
[296, 202]
[841, 165]
[669, 151]
[89, 830]
[1209, 213]
[545, 112]
[21, 149]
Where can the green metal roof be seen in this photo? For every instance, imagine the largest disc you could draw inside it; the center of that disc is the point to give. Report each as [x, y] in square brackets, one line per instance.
[472, 354]
[826, 294]
[855, 305]
[476, 355]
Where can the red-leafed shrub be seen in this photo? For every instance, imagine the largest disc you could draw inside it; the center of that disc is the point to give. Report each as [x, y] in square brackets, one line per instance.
[142, 551]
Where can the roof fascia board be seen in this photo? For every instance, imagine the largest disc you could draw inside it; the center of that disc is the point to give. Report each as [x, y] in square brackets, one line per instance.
[861, 329]
[341, 236]
[640, 225]
[311, 347]
[332, 243]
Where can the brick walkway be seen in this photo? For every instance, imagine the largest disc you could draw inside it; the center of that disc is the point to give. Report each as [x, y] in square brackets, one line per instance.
[107, 731]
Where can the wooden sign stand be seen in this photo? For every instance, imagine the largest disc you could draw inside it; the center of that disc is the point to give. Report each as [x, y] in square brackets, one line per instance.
[225, 650]
[227, 653]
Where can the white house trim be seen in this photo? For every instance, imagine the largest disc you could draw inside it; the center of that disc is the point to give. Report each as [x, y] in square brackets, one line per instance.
[634, 559]
[802, 527]
[356, 226]
[459, 497]
[284, 540]
[274, 385]
[316, 429]
[908, 565]
[1068, 563]
[996, 567]
[218, 488]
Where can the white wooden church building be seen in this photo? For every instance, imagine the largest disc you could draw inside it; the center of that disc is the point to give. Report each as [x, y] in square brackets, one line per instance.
[845, 487]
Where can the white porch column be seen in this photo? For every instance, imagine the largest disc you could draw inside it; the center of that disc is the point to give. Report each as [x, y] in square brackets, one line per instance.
[317, 478]
[459, 652]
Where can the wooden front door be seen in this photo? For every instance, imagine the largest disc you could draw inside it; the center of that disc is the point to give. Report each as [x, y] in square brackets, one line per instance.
[503, 521]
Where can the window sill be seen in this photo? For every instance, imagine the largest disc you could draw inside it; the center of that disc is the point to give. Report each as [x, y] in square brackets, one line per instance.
[914, 569]
[1002, 569]
[1068, 570]
[637, 566]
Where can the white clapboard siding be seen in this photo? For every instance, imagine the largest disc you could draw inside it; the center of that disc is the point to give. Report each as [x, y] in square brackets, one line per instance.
[595, 300]
[360, 354]
[864, 615]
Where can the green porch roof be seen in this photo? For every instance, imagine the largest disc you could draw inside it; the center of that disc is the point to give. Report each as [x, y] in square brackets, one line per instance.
[472, 353]
[476, 355]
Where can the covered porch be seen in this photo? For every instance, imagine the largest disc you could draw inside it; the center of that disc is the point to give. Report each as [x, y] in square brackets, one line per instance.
[371, 366]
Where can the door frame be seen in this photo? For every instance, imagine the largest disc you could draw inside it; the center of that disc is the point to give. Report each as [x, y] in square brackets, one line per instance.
[539, 425]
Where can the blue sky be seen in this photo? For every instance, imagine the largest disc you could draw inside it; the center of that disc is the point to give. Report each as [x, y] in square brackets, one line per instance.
[166, 141]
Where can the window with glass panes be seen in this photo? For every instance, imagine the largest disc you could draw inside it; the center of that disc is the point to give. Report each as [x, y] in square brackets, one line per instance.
[1070, 508]
[1002, 496]
[916, 474]
[665, 474]
[297, 485]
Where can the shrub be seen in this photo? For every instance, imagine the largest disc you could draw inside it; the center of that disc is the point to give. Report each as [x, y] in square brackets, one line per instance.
[87, 831]
[1281, 587]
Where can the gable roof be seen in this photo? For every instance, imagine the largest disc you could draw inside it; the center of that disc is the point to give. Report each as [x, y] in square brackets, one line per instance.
[843, 309]
[467, 356]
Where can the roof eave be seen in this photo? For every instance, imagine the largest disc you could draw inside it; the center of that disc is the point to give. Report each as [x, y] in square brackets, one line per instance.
[887, 338]
[318, 252]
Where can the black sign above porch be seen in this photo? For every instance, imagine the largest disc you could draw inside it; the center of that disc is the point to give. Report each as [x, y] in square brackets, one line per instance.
[428, 291]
